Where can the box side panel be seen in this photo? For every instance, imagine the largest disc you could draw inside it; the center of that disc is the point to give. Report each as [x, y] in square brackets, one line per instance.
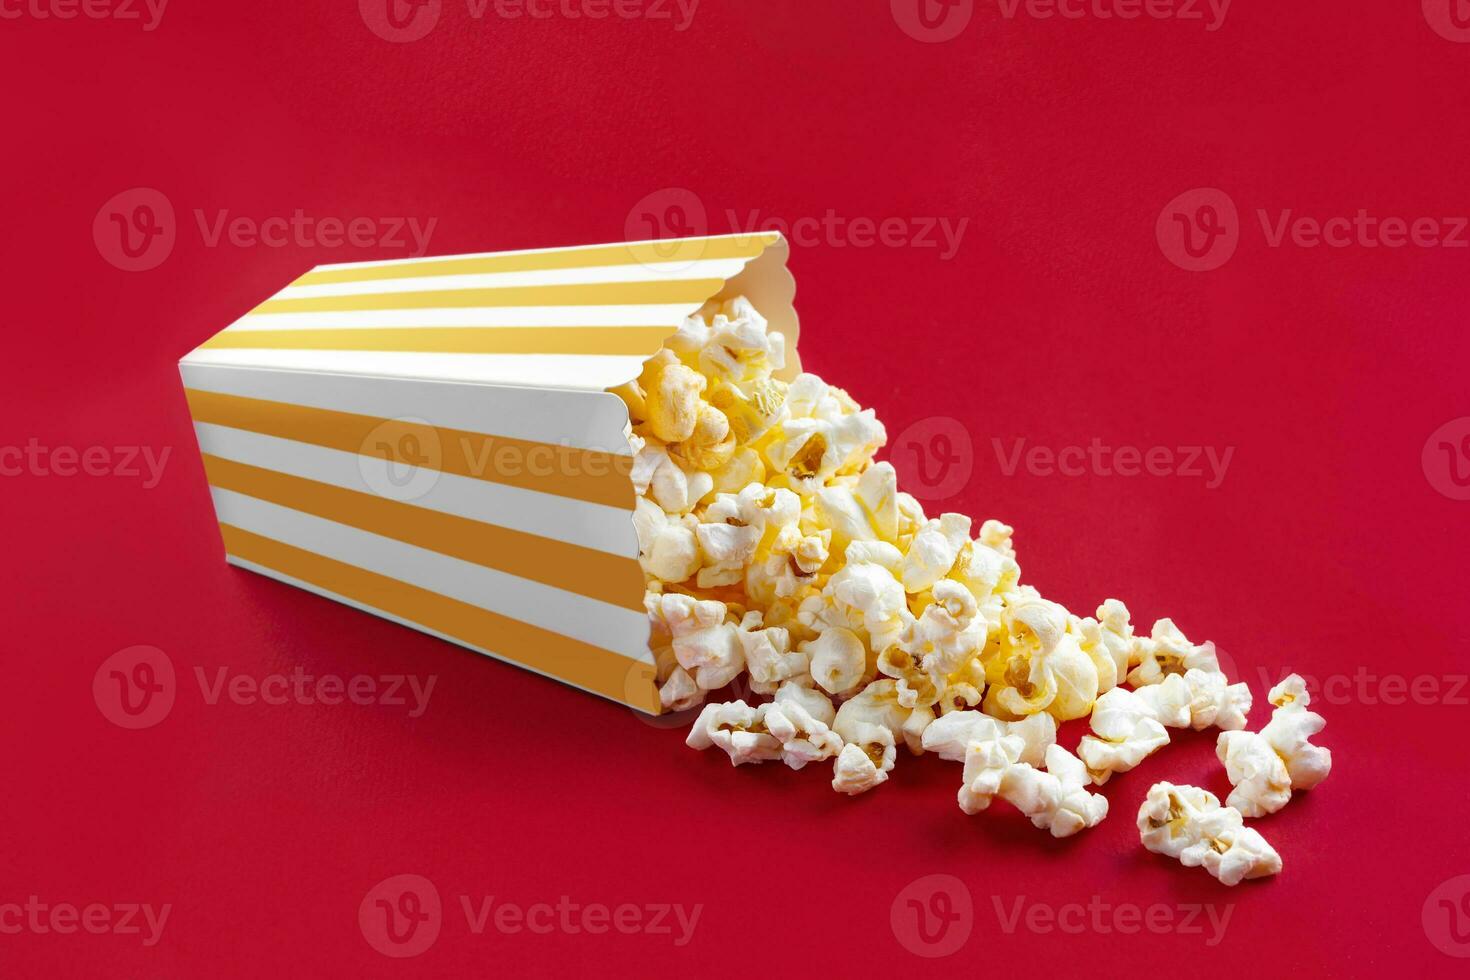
[497, 517]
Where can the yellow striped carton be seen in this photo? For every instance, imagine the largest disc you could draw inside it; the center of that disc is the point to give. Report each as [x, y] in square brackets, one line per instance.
[433, 440]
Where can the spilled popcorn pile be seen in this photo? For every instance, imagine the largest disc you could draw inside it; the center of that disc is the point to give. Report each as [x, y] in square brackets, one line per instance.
[775, 547]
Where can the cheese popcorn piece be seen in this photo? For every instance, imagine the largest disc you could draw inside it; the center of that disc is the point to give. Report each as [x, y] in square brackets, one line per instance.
[1056, 800]
[1125, 732]
[865, 761]
[738, 730]
[1189, 824]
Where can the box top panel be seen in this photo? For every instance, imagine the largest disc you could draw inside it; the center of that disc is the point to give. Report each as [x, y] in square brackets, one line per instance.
[584, 317]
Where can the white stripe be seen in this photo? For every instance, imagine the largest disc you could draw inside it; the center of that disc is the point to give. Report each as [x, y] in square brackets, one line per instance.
[555, 610]
[603, 528]
[628, 315]
[655, 245]
[636, 272]
[583, 419]
[307, 586]
[584, 373]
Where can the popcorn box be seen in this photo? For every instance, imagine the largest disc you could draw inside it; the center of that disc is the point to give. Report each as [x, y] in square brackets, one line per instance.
[433, 440]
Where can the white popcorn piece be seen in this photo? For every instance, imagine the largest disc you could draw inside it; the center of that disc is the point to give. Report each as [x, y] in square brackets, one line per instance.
[838, 660]
[948, 632]
[866, 593]
[877, 704]
[950, 734]
[1190, 825]
[737, 729]
[803, 738]
[799, 691]
[1125, 732]
[1169, 701]
[1056, 800]
[1113, 620]
[865, 761]
[1259, 777]
[933, 551]
[679, 692]
[986, 762]
[1265, 767]
[1215, 701]
[1290, 731]
[866, 512]
[667, 546]
[768, 656]
[703, 642]
[1168, 651]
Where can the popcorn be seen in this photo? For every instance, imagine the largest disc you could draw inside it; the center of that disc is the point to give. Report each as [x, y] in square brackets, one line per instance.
[1290, 730]
[679, 691]
[803, 738]
[838, 660]
[950, 735]
[1265, 767]
[1168, 651]
[774, 545]
[768, 656]
[986, 763]
[1057, 799]
[1126, 732]
[703, 642]
[865, 761]
[1189, 824]
[737, 729]
[813, 702]
[1261, 783]
[933, 551]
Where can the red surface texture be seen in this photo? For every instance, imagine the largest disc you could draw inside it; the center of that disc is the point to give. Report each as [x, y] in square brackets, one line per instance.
[1185, 290]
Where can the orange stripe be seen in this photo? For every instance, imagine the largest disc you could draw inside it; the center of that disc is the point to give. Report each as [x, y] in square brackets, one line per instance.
[681, 291]
[607, 672]
[673, 250]
[581, 474]
[596, 574]
[634, 341]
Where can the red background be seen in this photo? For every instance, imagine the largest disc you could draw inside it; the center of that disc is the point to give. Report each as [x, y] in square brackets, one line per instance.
[1326, 549]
